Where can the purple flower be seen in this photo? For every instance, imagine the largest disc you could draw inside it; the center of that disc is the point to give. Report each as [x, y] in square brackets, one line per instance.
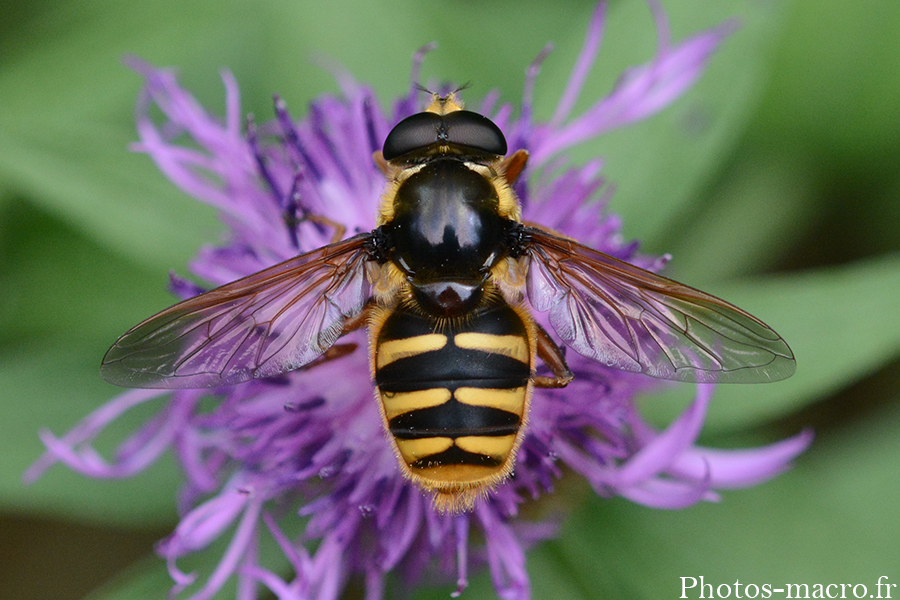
[311, 442]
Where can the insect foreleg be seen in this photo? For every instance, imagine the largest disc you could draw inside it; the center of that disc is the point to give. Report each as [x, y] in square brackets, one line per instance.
[338, 229]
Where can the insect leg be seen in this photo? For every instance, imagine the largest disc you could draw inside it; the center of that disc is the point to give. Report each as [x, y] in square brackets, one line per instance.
[338, 228]
[341, 350]
[359, 321]
[335, 352]
[552, 356]
[512, 165]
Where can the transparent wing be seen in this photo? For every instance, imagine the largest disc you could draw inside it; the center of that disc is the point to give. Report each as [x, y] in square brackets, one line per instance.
[273, 321]
[631, 319]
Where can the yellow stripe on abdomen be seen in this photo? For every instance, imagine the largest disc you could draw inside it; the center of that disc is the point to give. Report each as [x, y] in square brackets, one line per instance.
[393, 350]
[513, 346]
[417, 449]
[397, 403]
[494, 446]
[511, 400]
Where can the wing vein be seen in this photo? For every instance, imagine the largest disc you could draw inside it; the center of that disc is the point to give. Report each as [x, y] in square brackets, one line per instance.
[615, 312]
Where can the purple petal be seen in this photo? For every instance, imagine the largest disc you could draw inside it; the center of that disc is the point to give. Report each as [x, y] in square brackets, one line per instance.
[72, 448]
[659, 454]
[583, 66]
[667, 494]
[244, 537]
[742, 468]
[462, 555]
[641, 92]
[505, 556]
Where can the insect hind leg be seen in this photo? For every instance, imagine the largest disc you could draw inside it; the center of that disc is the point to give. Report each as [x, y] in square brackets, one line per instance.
[343, 349]
[549, 352]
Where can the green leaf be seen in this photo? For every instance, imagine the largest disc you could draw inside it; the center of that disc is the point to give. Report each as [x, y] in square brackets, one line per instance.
[659, 167]
[830, 520]
[116, 197]
[841, 323]
[55, 281]
[68, 119]
[148, 578]
[64, 300]
[54, 385]
[752, 218]
[834, 83]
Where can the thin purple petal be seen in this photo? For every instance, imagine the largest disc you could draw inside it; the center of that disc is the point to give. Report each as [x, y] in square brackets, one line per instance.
[730, 469]
[583, 66]
[660, 453]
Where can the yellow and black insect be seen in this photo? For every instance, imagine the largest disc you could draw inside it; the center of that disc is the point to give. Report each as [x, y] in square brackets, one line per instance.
[445, 284]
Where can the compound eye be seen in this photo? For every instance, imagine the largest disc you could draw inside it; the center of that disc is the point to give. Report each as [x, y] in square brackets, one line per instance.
[412, 133]
[469, 129]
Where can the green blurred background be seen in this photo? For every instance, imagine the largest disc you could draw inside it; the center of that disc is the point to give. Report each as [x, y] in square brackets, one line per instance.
[774, 183]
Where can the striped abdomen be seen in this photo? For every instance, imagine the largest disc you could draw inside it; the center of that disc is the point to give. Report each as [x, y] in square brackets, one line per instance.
[455, 398]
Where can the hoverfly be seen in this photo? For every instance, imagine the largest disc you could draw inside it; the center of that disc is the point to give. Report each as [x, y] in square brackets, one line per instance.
[441, 283]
